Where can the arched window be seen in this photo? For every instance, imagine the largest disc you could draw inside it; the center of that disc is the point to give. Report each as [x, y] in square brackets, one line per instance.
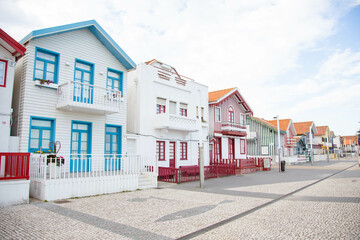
[231, 114]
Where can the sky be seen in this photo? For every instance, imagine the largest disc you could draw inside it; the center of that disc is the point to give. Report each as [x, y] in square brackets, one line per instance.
[296, 59]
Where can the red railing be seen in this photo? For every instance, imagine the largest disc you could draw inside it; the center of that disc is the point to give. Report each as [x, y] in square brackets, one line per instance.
[191, 173]
[239, 163]
[14, 166]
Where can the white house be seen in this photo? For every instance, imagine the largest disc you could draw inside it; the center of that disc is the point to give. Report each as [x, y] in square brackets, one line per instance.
[167, 115]
[70, 97]
[14, 177]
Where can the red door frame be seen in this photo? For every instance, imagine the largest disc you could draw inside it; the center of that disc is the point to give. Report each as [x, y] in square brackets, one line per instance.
[172, 159]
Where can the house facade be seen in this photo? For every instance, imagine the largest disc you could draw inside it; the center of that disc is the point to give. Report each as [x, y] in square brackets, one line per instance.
[322, 140]
[10, 50]
[167, 115]
[287, 126]
[262, 138]
[305, 134]
[70, 100]
[227, 114]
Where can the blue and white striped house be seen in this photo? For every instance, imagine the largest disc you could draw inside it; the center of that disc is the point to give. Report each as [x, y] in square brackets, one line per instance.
[71, 89]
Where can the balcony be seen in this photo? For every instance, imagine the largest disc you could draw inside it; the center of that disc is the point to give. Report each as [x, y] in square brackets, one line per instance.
[232, 128]
[82, 97]
[174, 122]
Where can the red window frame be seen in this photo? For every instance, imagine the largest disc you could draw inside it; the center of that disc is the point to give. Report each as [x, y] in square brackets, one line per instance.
[5, 72]
[160, 150]
[242, 147]
[231, 148]
[217, 150]
[231, 114]
[160, 109]
[183, 151]
[183, 112]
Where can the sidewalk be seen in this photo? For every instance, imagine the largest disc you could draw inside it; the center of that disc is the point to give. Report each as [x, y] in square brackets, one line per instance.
[327, 209]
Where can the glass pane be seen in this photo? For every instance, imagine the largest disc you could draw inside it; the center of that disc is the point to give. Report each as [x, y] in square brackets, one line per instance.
[82, 126]
[116, 84]
[111, 129]
[74, 146]
[83, 66]
[50, 76]
[86, 77]
[39, 64]
[35, 133]
[114, 147]
[34, 143]
[75, 136]
[50, 67]
[41, 123]
[83, 137]
[115, 138]
[114, 75]
[50, 57]
[108, 138]
[46, 134]
[78, 74]
[2, 66]
[107, 146]
[83, 146]
[39, 74]
[45, 143]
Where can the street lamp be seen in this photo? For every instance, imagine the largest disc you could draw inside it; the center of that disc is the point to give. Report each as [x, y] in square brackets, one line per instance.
[279, 143]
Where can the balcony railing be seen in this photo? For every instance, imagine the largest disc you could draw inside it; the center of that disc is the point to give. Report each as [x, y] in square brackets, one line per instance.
[233, 128]
[82, 97]
[174, 122]
[14, 166]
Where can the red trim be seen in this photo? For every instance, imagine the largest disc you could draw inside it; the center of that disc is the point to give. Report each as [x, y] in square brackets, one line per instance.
[13, 43]
[5, 73]
[183, 151]
[232, 133]
[160, 150]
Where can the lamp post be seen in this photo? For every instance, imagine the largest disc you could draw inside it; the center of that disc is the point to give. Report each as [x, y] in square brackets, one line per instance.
[311, 150]
[279, 143]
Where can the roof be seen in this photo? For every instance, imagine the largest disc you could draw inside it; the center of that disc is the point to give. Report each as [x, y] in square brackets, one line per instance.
[98, 32]
[220, 95]
[321, 130]
[303, 127]
[216, 95]
[266, 123]
[350, 140]
[10, 44]
[284, 123]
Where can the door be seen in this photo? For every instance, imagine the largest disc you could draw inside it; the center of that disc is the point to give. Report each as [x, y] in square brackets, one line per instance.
[112, 147]
[80, 147]
[231, 148]
[172, 154]
[83, 83]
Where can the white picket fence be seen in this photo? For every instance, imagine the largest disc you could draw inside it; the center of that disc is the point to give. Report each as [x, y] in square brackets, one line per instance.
[75, 175]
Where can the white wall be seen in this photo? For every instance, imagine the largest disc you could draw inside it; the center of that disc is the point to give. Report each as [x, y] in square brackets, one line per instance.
[144, 88]
[5, 100]
[35, 101]
[14, 192]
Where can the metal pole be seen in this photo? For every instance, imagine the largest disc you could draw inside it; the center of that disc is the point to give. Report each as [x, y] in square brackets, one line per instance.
[202, 177]
[279, 142]
[311, 150]
[327, 145]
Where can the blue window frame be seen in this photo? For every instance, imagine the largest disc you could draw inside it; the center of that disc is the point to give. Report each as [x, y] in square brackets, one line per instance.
[114, 80]
[113, 142]
[80, 146]
[42, 132]
[46, 65]
[84, 80]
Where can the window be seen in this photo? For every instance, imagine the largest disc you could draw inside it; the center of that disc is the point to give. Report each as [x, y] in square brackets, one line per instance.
[202, 114]
[197, 111]
[42, 132]
[231, 114]
[242, 146]
[114, 80]
[172, 107]
[160, 150]
[217, 114]
[242, 119]
[231, 148]
[46, 65]
[84, 73]
[217, 149]
[183, 151]
[3, 70]
[112, 139]
[160, 105]
[183, 109]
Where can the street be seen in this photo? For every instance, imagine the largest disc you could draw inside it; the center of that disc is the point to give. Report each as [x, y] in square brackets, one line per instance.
[304, 202]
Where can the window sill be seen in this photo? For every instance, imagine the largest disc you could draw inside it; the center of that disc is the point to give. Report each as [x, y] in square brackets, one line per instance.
[51, 85]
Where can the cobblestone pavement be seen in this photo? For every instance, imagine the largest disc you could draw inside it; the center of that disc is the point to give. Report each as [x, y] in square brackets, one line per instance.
[261, 205]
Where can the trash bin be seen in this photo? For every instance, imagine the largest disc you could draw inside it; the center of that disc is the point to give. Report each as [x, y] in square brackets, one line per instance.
[283, 166]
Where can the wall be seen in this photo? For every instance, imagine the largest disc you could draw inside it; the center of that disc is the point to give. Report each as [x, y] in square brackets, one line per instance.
[35, 101]
[14, 192]
[6, 99]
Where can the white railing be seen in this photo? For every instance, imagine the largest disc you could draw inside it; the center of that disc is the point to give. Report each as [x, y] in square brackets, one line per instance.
[233, 127]
[81, 95]
[45, 166]
[176, 122]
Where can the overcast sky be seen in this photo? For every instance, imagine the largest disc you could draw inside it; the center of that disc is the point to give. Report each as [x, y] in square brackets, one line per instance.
[297, 59]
